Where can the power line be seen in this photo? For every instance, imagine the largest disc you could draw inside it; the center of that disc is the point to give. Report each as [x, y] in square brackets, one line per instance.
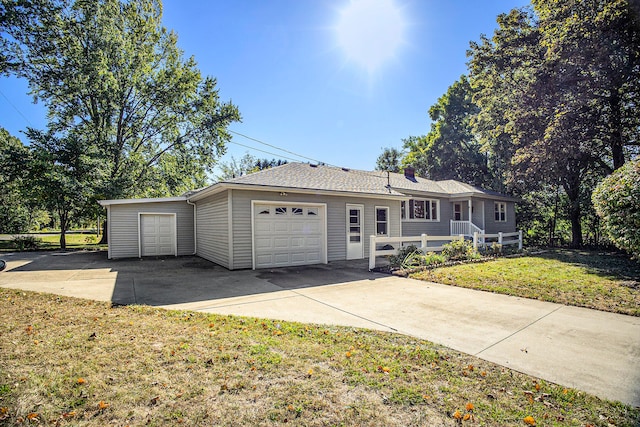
[273, 146]
[264, 151]
[16, 108]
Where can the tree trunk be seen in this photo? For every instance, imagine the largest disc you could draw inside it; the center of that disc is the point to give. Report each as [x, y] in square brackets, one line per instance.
[63, 230]
[104, 240]
[576, 226]
[573, 193]
[617, 146]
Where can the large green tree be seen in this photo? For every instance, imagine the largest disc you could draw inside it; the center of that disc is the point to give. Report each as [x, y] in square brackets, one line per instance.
[112, 76]
[451, 150]
[14, 208]
[557, 88]
[390, 160]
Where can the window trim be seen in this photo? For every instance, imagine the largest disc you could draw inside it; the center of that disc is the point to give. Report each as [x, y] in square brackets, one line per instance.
[499, 215]
[407, 210]
[387, 220]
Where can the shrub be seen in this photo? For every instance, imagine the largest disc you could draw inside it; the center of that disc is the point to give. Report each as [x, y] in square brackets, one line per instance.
[403, 252]
[617, 201]
[459, 250]
[26, 243]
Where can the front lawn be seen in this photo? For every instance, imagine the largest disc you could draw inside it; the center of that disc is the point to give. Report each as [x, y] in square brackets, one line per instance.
[47, 241]
[603, 281]
[66, 361]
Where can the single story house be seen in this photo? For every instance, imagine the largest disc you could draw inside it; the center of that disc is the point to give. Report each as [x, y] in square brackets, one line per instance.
[298, 214]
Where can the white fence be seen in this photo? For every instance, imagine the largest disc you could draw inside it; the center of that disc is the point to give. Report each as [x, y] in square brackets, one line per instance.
[381, 246]
[502, 239]
[391, 245]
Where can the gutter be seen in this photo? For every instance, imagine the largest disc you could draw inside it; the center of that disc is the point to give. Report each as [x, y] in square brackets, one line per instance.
[195, 226]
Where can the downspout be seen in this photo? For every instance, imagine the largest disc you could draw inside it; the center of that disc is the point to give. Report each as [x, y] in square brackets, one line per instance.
[195, 226]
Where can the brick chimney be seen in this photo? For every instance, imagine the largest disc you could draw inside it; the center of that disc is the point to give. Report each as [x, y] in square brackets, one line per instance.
[410, 173]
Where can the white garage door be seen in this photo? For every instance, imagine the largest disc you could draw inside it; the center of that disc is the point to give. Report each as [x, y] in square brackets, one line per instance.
[288, 235]
[157, 234]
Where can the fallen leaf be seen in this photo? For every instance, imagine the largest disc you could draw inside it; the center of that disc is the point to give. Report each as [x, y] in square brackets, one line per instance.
[529, 420]
[102, 405]
[469, 407]
[33, 416]
[29, 330]
[310, 372]
[483, 373]
[70, 414]
[348, 354]
[457, 415]
[81, 381]
[537, 387]
[466, 417]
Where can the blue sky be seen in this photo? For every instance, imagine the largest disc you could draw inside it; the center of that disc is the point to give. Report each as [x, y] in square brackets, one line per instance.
[331, 80]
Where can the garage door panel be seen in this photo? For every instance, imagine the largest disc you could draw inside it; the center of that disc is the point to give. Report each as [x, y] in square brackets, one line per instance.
[157, 234]
[295, 237]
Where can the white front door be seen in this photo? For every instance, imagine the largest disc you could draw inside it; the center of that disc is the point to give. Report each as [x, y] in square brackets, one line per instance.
[355, 237]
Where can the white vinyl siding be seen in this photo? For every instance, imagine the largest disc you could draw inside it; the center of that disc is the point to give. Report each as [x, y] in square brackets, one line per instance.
[492, 226]
[336, 221]
[213, 229]
[124, 233]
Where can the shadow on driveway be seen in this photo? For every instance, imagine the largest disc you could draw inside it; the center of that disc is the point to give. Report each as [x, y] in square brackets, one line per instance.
[162, 281]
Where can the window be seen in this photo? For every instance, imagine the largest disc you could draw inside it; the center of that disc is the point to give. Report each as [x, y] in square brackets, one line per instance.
[281, 211]
[382, 221]
[265, 211]
[312, 211]
[296, 211]
[421, 209]
[457, 212]
[500, 209]
[403, 207]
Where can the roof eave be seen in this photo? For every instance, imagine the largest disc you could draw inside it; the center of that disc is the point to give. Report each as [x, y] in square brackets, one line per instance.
[216, 188]
[105, 203]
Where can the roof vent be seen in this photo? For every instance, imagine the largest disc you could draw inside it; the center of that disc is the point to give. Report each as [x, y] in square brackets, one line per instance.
[410, 173]
[345, 169]
[312, 165]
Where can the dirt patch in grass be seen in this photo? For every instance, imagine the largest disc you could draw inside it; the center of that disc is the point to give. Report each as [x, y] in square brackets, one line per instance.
[67, 361]
[603, 281]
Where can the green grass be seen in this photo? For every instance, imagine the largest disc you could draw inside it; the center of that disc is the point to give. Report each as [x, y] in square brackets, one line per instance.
[603, 281]
[66, 361]
[52, 242]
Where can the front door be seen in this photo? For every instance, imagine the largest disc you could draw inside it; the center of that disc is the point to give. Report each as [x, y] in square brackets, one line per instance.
[355, 247]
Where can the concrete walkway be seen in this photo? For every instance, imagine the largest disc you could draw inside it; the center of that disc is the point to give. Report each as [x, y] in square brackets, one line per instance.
[590, 350]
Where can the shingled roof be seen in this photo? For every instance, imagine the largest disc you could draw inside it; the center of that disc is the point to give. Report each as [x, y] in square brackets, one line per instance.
[309, 177]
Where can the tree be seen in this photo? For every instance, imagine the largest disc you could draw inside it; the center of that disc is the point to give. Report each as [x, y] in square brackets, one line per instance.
[548, 87]
[451, 150]
[617, 202]
[112, 76]
[247, 164]
[14, 210]
[59, 171]
[389, 160]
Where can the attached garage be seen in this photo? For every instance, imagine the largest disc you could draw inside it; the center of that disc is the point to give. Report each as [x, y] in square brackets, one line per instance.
[157, 234]
[288, 234]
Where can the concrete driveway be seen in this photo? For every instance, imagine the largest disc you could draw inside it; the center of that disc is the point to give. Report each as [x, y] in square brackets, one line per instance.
[593, 351]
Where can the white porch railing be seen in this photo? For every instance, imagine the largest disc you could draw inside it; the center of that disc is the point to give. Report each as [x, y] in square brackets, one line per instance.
[481, 239]
[464, 227]
[379, 246]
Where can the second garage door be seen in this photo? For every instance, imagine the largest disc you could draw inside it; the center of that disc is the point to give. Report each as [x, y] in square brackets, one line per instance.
[157, 234]
[288, 235]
